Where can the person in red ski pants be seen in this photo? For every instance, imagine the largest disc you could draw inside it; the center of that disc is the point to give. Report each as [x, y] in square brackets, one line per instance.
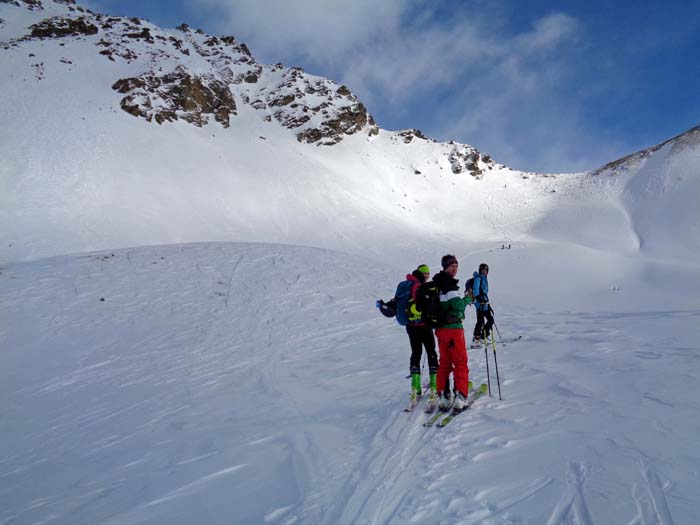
[450, 336]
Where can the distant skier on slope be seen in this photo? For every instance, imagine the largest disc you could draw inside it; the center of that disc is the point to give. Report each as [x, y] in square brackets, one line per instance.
[450, 336]
[419, 334]
[484, 314]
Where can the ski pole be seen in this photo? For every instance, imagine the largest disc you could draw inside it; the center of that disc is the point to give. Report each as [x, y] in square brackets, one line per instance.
[495, 361]
[495, 325]
[486, 356]
[498, 332]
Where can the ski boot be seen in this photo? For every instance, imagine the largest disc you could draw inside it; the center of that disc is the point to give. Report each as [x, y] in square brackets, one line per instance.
[445, 402]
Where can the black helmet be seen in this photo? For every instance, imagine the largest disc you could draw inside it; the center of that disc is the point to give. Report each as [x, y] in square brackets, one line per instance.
[483, 266]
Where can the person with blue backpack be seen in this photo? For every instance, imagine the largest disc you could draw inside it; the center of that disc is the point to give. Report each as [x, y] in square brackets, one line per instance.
[484, 313]
[419, 334]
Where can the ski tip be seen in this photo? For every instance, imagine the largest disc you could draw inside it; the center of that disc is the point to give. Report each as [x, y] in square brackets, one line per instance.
[483, 388]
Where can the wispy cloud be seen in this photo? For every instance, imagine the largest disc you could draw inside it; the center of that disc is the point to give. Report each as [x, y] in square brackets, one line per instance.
[317, 30]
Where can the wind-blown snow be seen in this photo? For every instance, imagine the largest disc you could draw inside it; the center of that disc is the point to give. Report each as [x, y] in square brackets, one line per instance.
[242, 383]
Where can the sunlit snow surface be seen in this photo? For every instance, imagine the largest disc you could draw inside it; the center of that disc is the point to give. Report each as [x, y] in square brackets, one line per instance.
[240, 383]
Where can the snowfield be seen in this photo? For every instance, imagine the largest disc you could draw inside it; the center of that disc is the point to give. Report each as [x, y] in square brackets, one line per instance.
[242, 383]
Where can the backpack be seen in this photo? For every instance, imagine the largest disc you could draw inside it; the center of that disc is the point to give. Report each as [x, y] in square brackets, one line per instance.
[388, 309]
[428, 302]
[469, 288]
[403, 296]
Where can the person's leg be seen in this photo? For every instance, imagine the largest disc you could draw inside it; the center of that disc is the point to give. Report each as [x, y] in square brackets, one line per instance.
[416, 339]
[479, 327]
[459, 360]
[445, 366]
[489, 323]
[429, 344]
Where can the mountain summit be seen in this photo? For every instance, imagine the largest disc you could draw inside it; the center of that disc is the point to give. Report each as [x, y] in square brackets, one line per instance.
[186, 74]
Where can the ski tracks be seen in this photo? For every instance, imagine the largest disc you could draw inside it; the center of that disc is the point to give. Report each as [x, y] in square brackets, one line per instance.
[375, 490]
[650, 499]
[572, 507]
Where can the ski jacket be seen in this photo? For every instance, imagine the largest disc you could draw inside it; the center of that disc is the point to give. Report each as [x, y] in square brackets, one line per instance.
[451, 301]
[481, 292]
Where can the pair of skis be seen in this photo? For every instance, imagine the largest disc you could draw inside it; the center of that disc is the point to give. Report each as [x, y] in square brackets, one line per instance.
[414, 402]
[503, 342]
[442, 418]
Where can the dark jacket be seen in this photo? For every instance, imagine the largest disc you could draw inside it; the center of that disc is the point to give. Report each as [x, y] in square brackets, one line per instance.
[451, 300]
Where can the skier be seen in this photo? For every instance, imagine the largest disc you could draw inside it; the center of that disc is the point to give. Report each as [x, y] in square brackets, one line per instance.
[419, 336]
[481, 303]
[450, 336]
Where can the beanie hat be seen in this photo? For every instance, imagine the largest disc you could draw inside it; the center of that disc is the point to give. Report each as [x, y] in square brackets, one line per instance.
[447, 260]
[423, 268]
[483, 266]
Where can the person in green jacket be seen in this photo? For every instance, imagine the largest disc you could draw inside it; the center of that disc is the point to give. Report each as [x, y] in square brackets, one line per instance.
[450, 336]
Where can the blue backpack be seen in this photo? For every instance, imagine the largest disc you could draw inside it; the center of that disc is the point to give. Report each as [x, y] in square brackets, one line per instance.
[402, 296]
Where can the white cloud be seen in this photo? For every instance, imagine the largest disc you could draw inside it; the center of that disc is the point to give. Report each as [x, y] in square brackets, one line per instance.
[548, 32]
[322, 31]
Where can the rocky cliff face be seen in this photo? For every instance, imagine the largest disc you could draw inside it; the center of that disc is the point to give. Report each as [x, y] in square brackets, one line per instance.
[185, 74]
[188, 75]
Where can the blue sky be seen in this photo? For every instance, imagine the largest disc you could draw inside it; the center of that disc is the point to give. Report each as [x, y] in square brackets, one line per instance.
[540, 85]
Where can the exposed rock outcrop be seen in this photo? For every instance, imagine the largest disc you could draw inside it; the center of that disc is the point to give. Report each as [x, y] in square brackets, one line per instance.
[34, 5]
[467, 159]
[177, 95]
[59, 26]
[409, 134]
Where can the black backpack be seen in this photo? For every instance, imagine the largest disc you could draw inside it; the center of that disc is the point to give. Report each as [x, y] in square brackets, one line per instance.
[428, 302]
[469, 288]
[388, 309]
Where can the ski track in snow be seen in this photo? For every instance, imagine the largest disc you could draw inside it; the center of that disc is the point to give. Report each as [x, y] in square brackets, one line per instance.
[241, 383]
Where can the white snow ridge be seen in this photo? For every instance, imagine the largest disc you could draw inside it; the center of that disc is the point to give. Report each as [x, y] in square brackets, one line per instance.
[191, 250]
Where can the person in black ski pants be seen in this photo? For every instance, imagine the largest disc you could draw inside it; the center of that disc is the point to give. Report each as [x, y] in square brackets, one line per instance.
[484, 314]
[419, 336]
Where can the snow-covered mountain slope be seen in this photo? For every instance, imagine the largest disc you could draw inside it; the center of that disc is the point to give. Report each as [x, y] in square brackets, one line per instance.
[118, 133]
[83, 173]
[642, 203]
[662, 197]
[248, 384]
